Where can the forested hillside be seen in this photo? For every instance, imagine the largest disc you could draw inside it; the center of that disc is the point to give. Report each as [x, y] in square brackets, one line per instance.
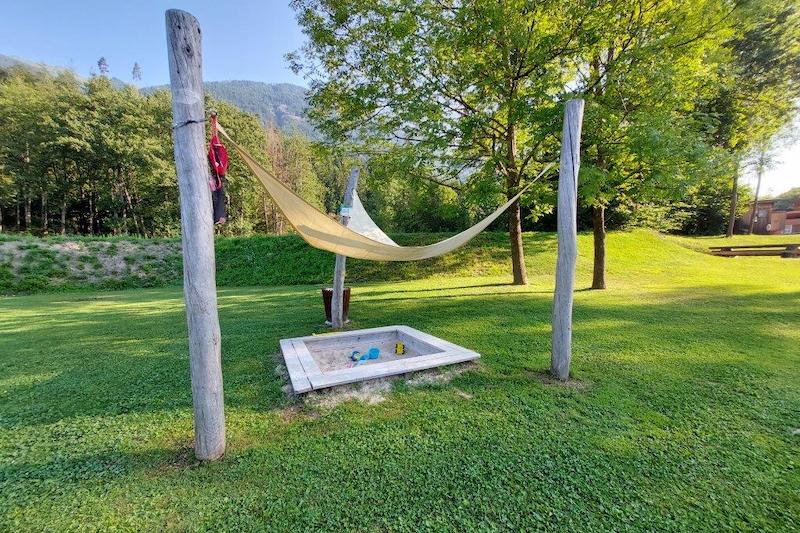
[281, 104]
[81, 156]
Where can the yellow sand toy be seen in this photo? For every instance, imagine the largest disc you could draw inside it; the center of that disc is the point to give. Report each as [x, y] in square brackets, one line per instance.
[399, 348]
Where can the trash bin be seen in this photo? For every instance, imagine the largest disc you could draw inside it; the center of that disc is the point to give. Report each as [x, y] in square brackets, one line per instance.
[327, 296]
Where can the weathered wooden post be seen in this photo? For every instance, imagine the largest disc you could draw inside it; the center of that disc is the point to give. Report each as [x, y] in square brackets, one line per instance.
[197, 233]
[567, 239]
[337, 309]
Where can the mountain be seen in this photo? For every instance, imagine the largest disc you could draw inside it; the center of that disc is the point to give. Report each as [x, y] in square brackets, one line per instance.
[282, 104]
[7, 62]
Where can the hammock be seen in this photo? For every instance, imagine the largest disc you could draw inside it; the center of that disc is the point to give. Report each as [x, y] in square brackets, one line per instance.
[321, 231]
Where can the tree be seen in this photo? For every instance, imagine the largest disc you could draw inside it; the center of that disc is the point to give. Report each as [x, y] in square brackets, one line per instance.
[762, 158]
[136, 73]
[102, 66]
[468, 88]
[645, 65]
[89, 158]
[760, 84]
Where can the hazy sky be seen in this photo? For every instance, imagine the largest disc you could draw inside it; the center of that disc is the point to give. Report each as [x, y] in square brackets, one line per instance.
[242, 39]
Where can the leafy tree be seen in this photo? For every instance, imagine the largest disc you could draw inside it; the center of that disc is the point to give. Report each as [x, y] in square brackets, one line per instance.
[466, 87]
[646, 64]
[102, 157]
[760, 85]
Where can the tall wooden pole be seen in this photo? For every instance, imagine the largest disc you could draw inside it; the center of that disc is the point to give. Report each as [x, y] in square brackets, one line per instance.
[567, 239]
[197, 233]
[337, 311]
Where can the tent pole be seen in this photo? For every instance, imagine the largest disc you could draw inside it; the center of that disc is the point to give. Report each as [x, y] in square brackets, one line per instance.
[337, 311]
[197, 233]
[567, 239]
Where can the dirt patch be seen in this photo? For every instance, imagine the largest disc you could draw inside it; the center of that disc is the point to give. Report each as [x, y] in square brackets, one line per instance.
[89, 262]
[11, 252]
[374, 391]
[69, 247]
[438, 376]
[182, 458]
[369, 392]
[546, 378]
[462, 394]
[296, 411]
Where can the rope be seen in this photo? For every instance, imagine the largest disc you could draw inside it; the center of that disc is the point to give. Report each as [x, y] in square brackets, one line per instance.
[187, 122]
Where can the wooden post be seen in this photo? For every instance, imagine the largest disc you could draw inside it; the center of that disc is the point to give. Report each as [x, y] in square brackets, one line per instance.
[567, 239]
[197, 233]
[337, 320]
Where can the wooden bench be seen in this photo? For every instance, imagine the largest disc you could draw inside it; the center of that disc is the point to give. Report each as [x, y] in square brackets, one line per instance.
[781, 250]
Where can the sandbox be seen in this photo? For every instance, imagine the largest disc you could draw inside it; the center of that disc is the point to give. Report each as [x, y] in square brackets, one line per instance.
[321, 361]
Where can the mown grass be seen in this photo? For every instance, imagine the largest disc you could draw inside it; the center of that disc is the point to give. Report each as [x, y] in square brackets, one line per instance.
[684, 419]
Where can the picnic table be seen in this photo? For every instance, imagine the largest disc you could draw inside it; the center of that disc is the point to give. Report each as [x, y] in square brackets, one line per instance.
[781, 250]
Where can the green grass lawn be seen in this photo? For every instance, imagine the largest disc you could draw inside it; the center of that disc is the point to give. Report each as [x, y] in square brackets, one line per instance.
[684, 416]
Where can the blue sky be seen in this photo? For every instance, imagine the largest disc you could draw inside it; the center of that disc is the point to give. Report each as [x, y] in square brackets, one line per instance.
[245, 39]
[242, 39]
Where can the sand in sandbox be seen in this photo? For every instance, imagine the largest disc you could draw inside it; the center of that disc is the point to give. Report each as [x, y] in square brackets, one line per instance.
[330, 358]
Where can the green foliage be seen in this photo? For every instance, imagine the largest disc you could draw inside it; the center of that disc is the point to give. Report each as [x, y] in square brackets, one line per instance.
[646, 67]
[681, 417]
[462, 89]
[470, 94]
[89, 158]
[761, 84]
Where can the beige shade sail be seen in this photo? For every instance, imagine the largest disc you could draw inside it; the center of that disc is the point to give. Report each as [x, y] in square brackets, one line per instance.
[321, 231]
[362, 223]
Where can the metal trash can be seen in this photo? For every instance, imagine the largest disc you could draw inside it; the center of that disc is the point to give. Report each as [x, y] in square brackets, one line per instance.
[327, 296]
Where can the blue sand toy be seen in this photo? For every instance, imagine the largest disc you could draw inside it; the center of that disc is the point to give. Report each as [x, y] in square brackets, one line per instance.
[358, 357]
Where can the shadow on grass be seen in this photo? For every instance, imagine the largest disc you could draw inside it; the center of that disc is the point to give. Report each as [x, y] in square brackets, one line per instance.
[131, 356]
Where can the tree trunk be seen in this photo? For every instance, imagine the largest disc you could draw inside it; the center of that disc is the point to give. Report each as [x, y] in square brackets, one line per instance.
[278, 217]
[17, 217]
[63, 217]
[515, 218]
[1, 218]
[754, 216]
[561, 354]
[265, 210]
[45, 214]
[91, 213]
[197, 233]
[27, 213]
[517, 252]
[599, 231]
[337, 312]
[734, 204]
[126, 193]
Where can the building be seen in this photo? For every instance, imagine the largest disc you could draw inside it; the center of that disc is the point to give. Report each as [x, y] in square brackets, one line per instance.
[775, 217]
